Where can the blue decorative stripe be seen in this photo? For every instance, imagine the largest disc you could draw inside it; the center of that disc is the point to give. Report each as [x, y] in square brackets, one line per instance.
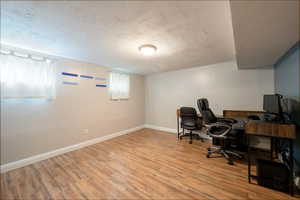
[69, 74]
[70, 83]
[100, 79]
[100, 85]
[85, 76]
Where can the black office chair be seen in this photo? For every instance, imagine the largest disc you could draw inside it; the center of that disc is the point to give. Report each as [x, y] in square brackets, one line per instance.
[188, 117]
[218, 128]
[203, 105]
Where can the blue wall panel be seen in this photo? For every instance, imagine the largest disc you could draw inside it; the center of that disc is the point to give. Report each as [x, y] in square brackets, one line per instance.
[69, 74]
[85, 76]
[287, 83]
[70, 83]
[100, 85]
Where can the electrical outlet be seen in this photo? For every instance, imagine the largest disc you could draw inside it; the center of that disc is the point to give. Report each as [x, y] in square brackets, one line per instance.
[85, 131]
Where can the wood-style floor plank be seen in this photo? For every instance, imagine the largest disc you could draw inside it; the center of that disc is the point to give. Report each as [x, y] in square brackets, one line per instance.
[147, 164]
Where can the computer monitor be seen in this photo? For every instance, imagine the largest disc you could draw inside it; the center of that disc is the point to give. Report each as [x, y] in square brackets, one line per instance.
[272, 104]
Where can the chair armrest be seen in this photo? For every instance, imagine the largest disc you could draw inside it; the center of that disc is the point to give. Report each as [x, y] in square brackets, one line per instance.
[226, 129]
[227, 120]
[218, 124]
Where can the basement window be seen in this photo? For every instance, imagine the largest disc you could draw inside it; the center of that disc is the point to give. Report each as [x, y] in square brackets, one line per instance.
[26, 76]
[119, 86]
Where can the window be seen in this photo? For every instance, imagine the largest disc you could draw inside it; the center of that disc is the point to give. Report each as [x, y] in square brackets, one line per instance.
[26, 77]
[119, 86]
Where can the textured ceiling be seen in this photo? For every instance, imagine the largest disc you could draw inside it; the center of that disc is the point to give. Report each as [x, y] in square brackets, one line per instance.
[186, 33]
[264, 30]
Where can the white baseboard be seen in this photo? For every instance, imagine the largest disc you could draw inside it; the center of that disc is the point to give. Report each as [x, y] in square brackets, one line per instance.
[170, 130]
[33, 159]
[161, 128]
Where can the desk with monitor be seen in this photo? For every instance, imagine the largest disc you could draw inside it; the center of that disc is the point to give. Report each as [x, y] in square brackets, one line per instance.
[272, 123]
[274, 131]
[280, 129]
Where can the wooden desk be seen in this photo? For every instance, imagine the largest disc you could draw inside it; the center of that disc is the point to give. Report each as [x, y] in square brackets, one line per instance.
[272, 130]
[240, 113]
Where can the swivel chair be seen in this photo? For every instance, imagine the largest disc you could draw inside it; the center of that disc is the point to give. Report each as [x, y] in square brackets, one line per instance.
[218, 128]
[188, 117]
[203, 105]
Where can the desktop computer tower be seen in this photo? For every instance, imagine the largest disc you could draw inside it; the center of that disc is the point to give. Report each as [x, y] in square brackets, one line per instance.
[272, 175]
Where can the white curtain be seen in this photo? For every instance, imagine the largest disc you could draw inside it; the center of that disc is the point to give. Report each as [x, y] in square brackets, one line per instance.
[26, 78]
[119, 85]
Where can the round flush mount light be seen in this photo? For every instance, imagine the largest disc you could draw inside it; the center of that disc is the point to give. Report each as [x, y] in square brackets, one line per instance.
[147, 49]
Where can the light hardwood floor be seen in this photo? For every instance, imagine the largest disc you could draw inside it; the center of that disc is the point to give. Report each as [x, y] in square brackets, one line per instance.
[146, 164]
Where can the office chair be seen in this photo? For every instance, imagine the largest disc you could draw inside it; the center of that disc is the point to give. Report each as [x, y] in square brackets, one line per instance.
[218, 128]
[188, 117]
[203, 105]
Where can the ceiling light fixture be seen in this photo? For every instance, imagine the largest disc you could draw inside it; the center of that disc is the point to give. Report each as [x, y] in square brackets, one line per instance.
[147, 49]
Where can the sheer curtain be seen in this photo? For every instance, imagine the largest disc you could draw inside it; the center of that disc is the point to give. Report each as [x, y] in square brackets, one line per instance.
[26, 78]
[119, 86]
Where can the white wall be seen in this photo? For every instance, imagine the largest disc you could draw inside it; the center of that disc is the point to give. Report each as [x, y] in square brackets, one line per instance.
[31, 127]
[222, 84]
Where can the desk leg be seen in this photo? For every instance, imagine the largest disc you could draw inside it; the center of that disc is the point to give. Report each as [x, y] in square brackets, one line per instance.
[291, 168]
[177, 127]
[249, 159]
[276, 148]
[271, 148]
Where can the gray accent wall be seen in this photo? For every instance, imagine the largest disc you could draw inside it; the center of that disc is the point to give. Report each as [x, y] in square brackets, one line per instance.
[287, 83]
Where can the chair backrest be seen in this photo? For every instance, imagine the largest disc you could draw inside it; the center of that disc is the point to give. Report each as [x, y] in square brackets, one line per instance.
[187, 113]
[202, 105]
[206, 112]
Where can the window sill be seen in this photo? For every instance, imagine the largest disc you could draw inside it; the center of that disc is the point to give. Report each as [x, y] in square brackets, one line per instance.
[119, 99]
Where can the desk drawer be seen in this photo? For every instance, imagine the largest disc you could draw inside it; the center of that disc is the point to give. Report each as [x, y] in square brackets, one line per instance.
[270, 129]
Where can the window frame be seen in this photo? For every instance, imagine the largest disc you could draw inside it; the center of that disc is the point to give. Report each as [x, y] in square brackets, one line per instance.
[118, 79]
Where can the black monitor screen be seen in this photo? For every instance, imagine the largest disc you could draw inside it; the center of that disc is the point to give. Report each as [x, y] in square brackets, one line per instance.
[272, 104]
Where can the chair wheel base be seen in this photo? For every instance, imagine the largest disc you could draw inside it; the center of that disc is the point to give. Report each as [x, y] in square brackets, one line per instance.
[230, 163]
